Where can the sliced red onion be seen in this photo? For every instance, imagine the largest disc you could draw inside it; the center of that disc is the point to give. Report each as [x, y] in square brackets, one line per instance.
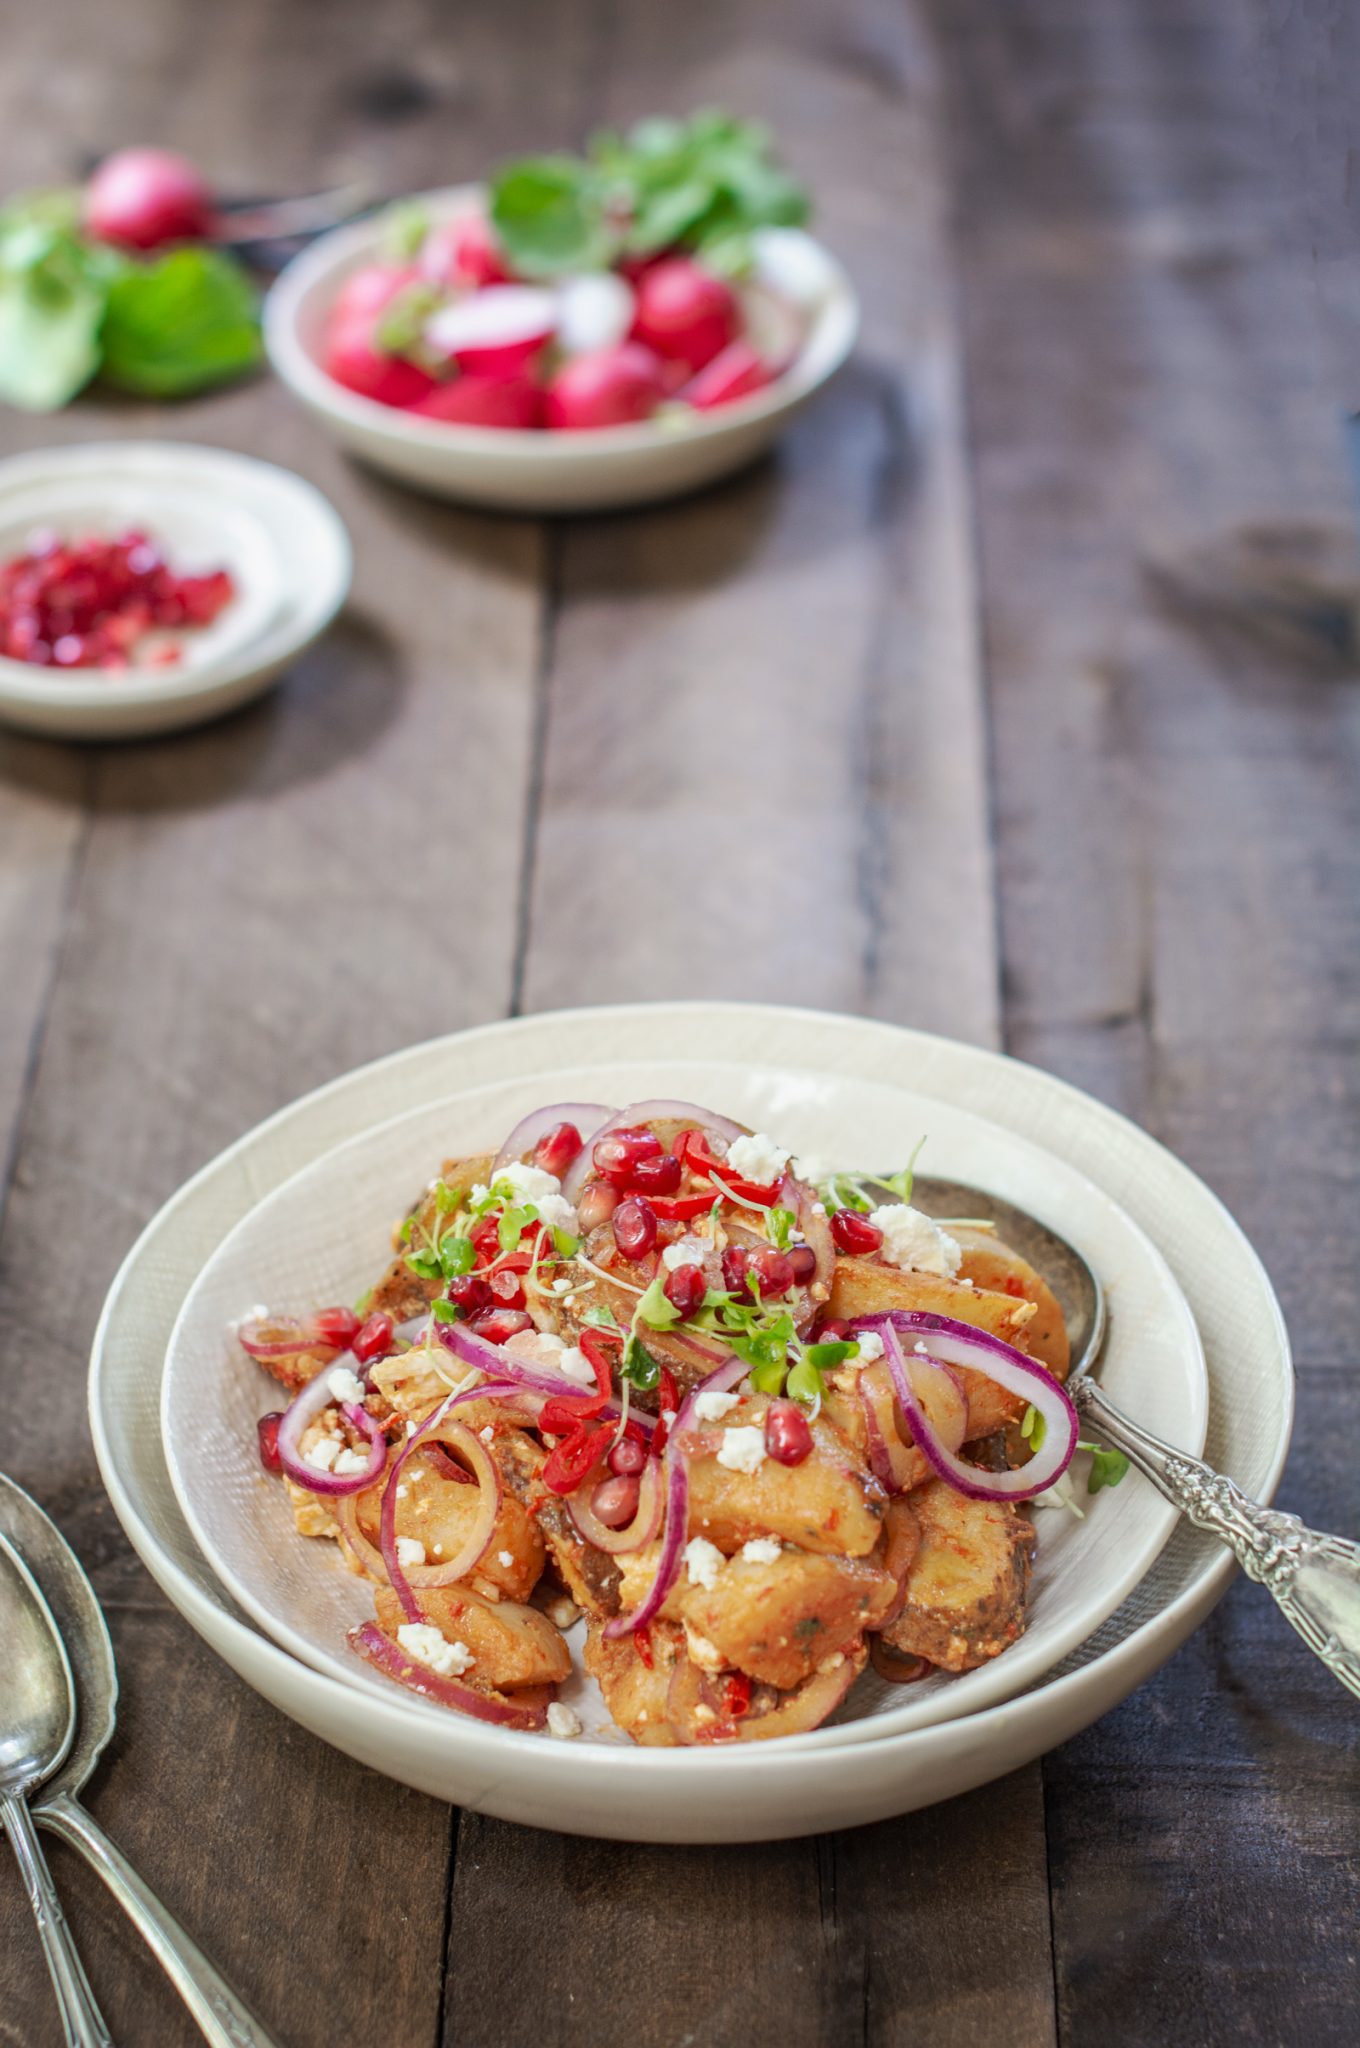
[639, 1531]
[267, 1338]
[893, 1463]
[798, 1712]
[946, 1342]
[435, 1429]
[893, 1667]
[588, 1117]
[706, 1120]
[526, 1709]
[501, 1364]
[676, 1474]
[315, 1396]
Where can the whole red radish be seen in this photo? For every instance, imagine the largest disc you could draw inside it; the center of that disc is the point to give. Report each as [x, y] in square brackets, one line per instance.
[494, 332]
[610, 387]
[464, 251]
[368, 292]
[354, 359]
[144, 197]
[685, 313]
[484, 402]
[734, 374]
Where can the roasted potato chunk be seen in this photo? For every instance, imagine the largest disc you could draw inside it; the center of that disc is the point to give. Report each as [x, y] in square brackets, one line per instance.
[511, 1645]
[590, 1576]
[780, 1621]
[965, 1592]
[868, 1287]
[991, 1265]
[400, 1293]
[636, 1680]
[438, 1510]
[828, 1503]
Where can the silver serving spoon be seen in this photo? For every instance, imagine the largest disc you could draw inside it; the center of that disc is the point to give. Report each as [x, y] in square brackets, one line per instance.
[1314, 1579]
[37, 1723]
[222, 2018]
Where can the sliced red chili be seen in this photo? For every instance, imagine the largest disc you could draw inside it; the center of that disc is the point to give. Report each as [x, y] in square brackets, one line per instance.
[563, 1413]
[643, 1639]
[683, 1208]
[736, 1699]
[602, 1348]
[575, 1458]
[699, 1159]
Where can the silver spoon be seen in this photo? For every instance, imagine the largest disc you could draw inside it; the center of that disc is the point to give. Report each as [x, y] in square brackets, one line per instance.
[219, 2013]
[37, 1723]
[1313, 1578]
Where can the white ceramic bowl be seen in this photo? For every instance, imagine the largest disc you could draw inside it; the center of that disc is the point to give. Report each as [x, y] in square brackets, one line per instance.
[325, 1236]
[284, 544]
[521, 470]
[768, 1790]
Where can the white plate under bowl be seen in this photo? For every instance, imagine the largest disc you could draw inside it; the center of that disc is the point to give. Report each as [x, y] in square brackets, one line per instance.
[517, 469]
[325, 1237]
[761, 1791]
[208, 508]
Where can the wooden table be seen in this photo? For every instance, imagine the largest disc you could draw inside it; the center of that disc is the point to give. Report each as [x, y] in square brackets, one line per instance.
[962, 712]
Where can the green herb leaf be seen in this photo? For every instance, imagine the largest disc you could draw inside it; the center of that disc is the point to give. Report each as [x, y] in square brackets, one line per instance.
[655, 1310]
[513, 1224]
[53, 286]
[565, 1245]
[443, 1311]
[768, 1378]
[549, 213]
[805, 1382]
[456, 1255]
[1107, 1468]
[601, 1316]
[902, 1183]
[1033, 1428]
[445, 1198]
[781, 1227]
[826, 1356]
[180, 324]
[638, 1365]
[425, 1265]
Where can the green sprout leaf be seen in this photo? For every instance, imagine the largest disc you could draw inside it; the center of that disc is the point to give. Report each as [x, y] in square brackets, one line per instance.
[565, 1245]
[443, 1311]
[1033, 1428]
[180, 324]
[827, 1356]
[638, 1364]
[805, 1383]
[655, 1310]
[513, 1224]
[1107, 1467]
[601, 1316]
[782, 1222]
[456, 1255]
[769, 1377]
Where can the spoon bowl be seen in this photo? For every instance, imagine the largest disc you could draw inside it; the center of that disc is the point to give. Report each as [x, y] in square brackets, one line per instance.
[37, 1696]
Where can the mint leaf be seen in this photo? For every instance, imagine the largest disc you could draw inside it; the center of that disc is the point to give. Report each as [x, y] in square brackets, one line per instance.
[549, 213]
[180, 324]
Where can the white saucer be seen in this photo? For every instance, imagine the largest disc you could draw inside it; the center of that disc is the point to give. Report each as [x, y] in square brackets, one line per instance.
[284, 544]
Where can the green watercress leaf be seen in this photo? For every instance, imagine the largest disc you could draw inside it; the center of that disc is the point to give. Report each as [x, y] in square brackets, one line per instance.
[805, 1383]
[457, 1255]
[826, 1356]
[444, 1311]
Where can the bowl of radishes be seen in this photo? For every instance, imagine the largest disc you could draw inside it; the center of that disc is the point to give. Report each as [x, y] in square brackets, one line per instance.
[569, 346]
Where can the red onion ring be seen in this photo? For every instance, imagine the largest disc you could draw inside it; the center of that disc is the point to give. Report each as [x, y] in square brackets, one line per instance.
[954, 1343]
[639, 1531]
[676, 1474]
[706, 1120]
[528, 1709]
[893, 1463]
[432, 1428]
[296, 1344]
[501, 1364]
[588, 1117]
[315, 1396]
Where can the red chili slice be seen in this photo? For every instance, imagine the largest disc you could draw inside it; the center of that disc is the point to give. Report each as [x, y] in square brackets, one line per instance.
[699, 1159]
[575, 1458]
[668, 1400]
[683, 1208]
[736, 1699]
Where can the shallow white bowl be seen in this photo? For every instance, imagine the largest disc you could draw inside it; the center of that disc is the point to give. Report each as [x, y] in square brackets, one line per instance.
[521, 470]
[769, 1790]
[282, 541]
[325, 1236]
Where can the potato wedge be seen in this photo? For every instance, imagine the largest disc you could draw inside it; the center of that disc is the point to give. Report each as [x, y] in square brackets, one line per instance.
[828, 1503]
[511, 1645]
[867, 1287]
[636, 1680]
[965, 1591]
[779, 1622]
[991, 1264]
[400, 1293]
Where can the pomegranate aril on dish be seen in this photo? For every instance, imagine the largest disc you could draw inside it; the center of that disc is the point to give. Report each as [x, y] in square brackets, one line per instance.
[635, 1228]
[268, 1430]
[557, 1148]
[336, 1326]
[854, 1233]
[374, 1339]
[597, 1204]
[615, 1501]
[499, 1325]
[802, 1263]
[627, 1458]
[87, 603]
[618, 1155]
[684, 1288]
[660, 1176]
[788, 1434]
[470, 1293]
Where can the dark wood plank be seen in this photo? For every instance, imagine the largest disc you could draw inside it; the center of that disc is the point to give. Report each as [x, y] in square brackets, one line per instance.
[1178, 789]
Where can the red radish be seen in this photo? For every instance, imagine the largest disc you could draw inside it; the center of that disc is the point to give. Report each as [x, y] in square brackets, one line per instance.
[464, 251]
[610, 387]
[494, 333]
[734, 374]
[484, 402]
[354, 359]
[595, 311]
[368, 292]
[143, 197]
[684, 313]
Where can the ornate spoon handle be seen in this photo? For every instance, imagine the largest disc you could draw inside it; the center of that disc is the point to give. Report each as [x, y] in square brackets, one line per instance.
[82, 2023]
[1314, 1579]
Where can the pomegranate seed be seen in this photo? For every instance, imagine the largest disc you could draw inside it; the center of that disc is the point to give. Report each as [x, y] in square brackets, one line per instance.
[735, 1264]
[627, 1458]
[335, 1326]
[506, 1289]
[499, 1325]
[788, 1436]
[374, 1340]
[660, 1176]
[470, 1293]
[772, 1269]
[557, 1148]
[617, 1155]
[803, 1260]
[635, 1228]
[597, 1205]
[685, 1288]
[268, 1427]
[855, 1233]
[85, 605]
[835, 1330]
[615, 1501]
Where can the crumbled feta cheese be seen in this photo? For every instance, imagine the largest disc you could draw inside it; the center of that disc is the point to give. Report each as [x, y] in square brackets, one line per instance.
[713, 1407]
[556, 1211]
[668, 1417]
[348, 1462]
[703, 1562]
[410, 1550]
[424, 1642]
[742, 1449]
[576, 1366]
[563, 1612]
[344, 1384]
[870, 1346]
[757, 1158]
[912, 1241]
[505, 1558]
[324, 1453]
[487, 1435]
[562, 1286]
[402, 1490]
[563, 1721]
[686, 1251]
[763, 1550]
[528, 1183]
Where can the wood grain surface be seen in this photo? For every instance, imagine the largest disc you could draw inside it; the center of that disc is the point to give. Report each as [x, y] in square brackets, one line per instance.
[969, 710]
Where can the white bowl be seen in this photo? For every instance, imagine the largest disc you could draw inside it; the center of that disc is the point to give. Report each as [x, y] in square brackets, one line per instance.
[518, 469]
[768, 1790]
[284, 544]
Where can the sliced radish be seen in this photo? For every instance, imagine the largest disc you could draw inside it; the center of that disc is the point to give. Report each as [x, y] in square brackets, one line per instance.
[484, 402]
[368, 292]
[464, 251]
[685, 313]
[595, 311]
[736, 373]
[354, 360]
[774, 327]
[791, 264]
[494, 333]
[610, 387]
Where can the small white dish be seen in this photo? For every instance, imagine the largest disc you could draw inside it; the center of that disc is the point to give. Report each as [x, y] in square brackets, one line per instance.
[284, 544]
[520, 470]
[325, 1237]
[763, 1791]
